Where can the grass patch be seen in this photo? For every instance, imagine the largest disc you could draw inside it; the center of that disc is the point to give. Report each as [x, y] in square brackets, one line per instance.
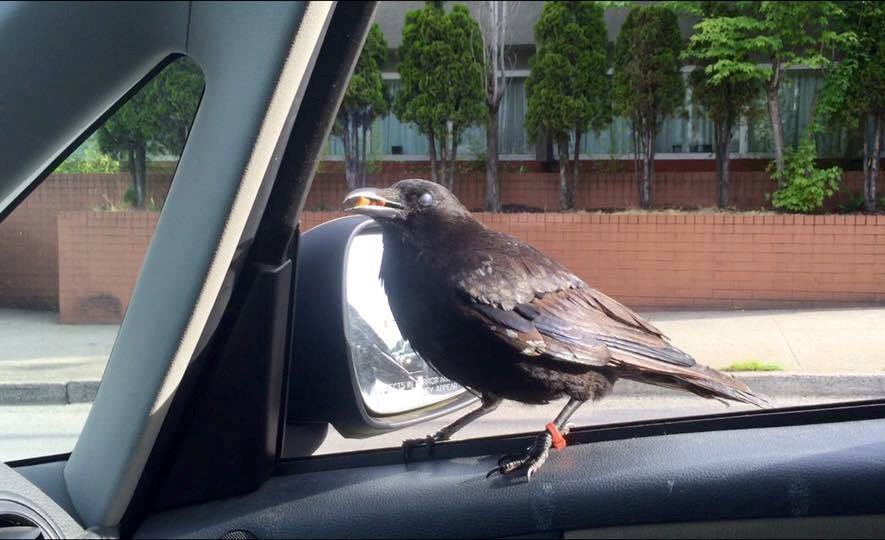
[753, 365]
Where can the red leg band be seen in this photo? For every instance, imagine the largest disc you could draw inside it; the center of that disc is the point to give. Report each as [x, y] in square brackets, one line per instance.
[558, 439]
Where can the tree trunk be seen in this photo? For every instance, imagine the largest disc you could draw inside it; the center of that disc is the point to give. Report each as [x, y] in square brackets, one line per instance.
[864, 124]
[869, 191]
[646, 188]
[576, 170]
[636, 132]
[347, 139]
[132, 174]
[493, 181]
[772, 86]
[355, 149]
[453, 156]
[723, 139]
[563, 174]
[138, 170]
[364, 159]
[431, 143]
[442, 161]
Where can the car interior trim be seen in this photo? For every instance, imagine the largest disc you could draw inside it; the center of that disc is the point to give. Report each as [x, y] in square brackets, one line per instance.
[784, 417]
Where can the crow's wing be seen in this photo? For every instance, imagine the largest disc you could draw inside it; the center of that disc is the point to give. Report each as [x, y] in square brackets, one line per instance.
[543, 311]
[573, 326]
[537, 306]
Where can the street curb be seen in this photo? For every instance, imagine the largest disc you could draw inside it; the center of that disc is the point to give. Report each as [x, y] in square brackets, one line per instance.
[775, 385]
[48, 393]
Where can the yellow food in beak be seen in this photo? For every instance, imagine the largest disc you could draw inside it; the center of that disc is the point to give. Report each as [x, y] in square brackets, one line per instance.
[365, 201]
[374, 203]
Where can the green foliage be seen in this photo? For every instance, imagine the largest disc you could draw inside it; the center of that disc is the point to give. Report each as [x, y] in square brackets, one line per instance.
[568, 87]
[156, 119]
[364, 100]
[159, 116]
[365, 95]
[753, 365]
[91, 161]
[726, 101]
[789, 33]
[805, 187]
[727, 97]
[647, 85]
[440, 71]
[855, 87]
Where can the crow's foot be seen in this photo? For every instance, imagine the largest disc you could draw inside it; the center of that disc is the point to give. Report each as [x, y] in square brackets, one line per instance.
[527, 463]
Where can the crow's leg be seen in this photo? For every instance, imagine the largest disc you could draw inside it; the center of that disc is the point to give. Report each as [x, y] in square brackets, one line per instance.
[536, 454]
[489, 404]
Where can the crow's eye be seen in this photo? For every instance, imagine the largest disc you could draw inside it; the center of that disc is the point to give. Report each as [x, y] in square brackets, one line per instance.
[426, 199]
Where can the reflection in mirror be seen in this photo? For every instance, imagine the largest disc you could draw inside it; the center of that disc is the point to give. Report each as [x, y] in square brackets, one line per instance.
[392, 377]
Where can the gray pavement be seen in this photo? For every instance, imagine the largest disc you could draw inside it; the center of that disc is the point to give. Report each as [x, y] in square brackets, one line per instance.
[35, 348]
[803, 341]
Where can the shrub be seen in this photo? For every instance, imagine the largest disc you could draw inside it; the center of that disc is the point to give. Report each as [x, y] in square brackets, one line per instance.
[91, 161]
[752, 365]
[805, 187]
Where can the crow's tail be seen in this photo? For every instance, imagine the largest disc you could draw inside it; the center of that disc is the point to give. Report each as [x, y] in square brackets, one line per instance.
[697, 379]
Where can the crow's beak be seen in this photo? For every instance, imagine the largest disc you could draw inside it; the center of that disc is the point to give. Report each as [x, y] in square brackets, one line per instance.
[375, 203]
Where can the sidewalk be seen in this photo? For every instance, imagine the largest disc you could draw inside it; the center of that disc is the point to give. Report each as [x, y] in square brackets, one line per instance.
[825, 351]
[802, 341]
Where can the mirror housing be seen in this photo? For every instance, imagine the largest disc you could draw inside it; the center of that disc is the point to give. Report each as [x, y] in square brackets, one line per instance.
[324, 383]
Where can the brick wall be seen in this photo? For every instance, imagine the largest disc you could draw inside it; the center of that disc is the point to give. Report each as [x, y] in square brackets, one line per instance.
[596, 190]
[29, 248]
[99, 257]
[29, 235]
[647, 261]
[707, 260]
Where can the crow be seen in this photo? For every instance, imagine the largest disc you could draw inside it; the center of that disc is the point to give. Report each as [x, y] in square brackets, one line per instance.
[507, 322]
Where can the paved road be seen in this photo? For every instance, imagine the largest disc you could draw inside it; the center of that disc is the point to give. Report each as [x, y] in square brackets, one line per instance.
[30, 431]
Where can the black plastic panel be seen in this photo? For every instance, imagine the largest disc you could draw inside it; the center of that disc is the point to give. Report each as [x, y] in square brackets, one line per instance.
[807, 470]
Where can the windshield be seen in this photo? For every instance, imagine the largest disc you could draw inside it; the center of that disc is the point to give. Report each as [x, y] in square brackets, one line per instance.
[732, 205]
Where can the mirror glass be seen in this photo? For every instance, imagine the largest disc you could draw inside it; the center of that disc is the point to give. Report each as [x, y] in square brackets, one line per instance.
[392, 377]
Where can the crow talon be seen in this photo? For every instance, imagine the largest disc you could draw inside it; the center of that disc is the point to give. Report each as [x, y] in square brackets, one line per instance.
[509, 457]
[529, 462]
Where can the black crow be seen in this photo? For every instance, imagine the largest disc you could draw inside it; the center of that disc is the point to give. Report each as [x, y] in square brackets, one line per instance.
[507, 322]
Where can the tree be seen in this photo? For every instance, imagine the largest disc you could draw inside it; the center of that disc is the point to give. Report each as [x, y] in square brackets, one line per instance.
[495, 16]
[648, 84]
[156, 119]
[725, 100]
[568, 89]
[785, 33]
[853, 95]
[363, 102]
[441, 81]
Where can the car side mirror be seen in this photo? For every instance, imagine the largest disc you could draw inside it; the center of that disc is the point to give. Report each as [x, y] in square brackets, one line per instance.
[350, 366]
